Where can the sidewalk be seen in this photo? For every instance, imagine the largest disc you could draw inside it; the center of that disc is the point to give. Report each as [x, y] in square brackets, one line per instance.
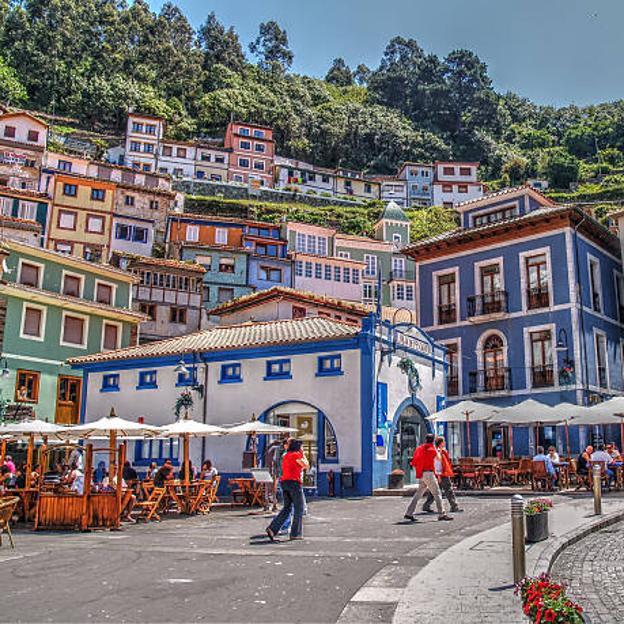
[472, 581]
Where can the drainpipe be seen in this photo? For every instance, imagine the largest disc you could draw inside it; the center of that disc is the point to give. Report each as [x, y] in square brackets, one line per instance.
[205, 410]
[579, 295]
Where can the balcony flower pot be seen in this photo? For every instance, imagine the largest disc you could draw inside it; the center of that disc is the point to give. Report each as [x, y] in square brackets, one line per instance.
[536, 517]
[396, 480]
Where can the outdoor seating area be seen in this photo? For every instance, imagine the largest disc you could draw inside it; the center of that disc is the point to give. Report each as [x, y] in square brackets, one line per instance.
[58, 486]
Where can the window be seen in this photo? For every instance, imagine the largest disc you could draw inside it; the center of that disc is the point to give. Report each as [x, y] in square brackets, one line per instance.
[74, 331]
[258, 165]
[181, 152]
[221, 236]
[244, 131]
[167, 150]
[230, 373]
[192, 233]
[178, 172]
[270, 274]
[140, 235]
[369, 292]
[6, 206]
[258, 134]
[368, 188]
[337, 273]
[448, 171]
[225, 294]
[33, 322]
[464, 171]
[325, 179]
[399, 292]
[398, 268]
[149, 309]
[299, 268]
[177, 315]
[226, 265]
[123, 232]
[259, 147]
[201, 175]
[148, 148]
[246, 145]
[595, 286]
[397, 239]
[447, 188]
[154, 204]
[538, 295]
[355, 276]
[72, 285]
[129, 200]
[30, 274]
[308, 269]
[453, 370]
[344, 254]
[220, 160]
[462, 188]
[371, 265]
[278, 369]
[137, 126]
[409, 292]
[447, 312]
[328, 272]
[66, 220]
[104, 293]
[111, 336]
[147, 380]
[601, 360]
[541, 359]
[135, 146]
[299, 312]
[95, 224]
[150, 129]
[318, 270]
[189, 378]
[27, 210]
[9, 132]
[494, 216]
[243, 163]
[110, 383]
[27, 386]
[329, 365]
[62, 247]
[70, 190]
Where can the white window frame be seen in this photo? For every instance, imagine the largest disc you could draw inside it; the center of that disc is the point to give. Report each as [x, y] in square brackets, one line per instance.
[436, 294]
[86, 330]
[490, 262]
[192, 228]
[528, 354]
[119, 327]
[480, 342]
[6, 206]
[221, 233]
[595, 333]
[398, 264]
[374, 263]
[105, 283]
[44, 313]
[618, 279]
[344, 254]
[397, 239]
[524, 278]
[28, 261]
[23, 206]
[102, 220]
[457, 341]
[64, 274]
[591, 259]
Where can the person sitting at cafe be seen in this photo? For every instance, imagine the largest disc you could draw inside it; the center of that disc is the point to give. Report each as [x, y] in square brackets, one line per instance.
[8, 462]
[5, 475]
[601, 455]
[129, 473]
[163, 474]
[182, 472]
[550, 469]
[110, 483]
[208, 471]
[554, 456]
[613, 451]
[151, 471]
[75, 479]
[582, 463]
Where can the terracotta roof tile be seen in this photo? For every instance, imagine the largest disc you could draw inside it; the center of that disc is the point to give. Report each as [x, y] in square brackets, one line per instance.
[163, 262]
[503, 193]
[244, 336]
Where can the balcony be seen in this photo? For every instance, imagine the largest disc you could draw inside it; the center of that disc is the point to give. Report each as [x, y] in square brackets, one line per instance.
[542, 376]
[447, 313]
[490, 380]
[452, 387]
[490, 303]
[538, 297]
[402, 275]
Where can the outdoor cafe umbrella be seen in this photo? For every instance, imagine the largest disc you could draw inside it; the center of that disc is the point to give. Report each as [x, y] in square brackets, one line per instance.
[465, 411]
[187, 428]
[613, 407]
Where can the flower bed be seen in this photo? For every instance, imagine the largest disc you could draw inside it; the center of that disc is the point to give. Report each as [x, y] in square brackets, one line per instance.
[543, 600]
[537, 506]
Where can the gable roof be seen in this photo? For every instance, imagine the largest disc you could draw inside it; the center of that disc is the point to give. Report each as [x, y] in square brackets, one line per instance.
[164, 263]
[282, 292]
[506, 193]
[24, 114]
[243, 336]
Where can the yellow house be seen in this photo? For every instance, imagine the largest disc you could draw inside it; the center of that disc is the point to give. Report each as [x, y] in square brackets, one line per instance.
[353, 184]
[81, 219]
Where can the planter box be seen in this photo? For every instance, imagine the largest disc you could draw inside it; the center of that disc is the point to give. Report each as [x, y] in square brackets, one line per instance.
[395, 481]
[537, 527]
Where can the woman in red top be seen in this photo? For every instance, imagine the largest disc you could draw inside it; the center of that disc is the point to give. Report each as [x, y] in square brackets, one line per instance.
[293, 463]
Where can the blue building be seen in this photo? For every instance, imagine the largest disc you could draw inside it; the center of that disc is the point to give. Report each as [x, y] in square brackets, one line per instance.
[528, 298]
[419, 180]
[269, 264]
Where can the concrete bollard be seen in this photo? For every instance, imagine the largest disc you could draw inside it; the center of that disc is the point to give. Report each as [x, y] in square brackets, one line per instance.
[517, 537]
[597, 479]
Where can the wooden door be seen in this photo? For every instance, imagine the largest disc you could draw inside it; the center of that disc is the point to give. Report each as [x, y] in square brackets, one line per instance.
[68, 400]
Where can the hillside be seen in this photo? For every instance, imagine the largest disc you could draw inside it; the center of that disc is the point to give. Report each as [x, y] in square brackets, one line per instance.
[93, 60]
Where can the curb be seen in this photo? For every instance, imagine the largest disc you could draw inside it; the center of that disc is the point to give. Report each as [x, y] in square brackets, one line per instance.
[547, 558]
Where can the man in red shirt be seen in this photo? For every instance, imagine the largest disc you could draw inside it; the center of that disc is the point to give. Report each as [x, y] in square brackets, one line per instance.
[444, 472]
[425, 457]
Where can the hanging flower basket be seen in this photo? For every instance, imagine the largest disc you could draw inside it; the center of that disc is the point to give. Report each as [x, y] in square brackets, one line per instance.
[407, 366]
[183, 402]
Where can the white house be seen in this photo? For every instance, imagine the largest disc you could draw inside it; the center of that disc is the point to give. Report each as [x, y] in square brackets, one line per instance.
[455, 182]
[132, 235]
[343, 387]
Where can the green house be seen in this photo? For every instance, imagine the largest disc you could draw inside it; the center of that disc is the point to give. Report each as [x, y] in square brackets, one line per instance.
[54, 307]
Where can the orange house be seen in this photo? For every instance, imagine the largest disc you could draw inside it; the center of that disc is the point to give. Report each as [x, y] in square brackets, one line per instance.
[196, 230]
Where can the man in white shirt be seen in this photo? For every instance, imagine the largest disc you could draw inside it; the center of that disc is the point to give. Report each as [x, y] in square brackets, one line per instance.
[601, 455]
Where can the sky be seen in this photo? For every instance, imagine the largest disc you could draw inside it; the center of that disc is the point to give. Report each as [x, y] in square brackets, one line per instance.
[552, 51]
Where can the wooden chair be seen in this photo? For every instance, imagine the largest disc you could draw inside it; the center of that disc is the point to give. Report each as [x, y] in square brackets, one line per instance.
[539, 475]
[148, 509]
[525, 470]
[510, 471]
[7, 508]
[469, 474]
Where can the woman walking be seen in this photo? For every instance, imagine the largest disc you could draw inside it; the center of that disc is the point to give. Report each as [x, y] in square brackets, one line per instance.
[293, 463]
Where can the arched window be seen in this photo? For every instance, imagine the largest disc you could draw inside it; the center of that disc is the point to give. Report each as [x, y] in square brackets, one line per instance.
[330, 442]
[494, 363]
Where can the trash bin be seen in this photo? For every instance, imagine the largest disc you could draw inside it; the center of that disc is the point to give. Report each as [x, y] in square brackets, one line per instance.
[346, 477]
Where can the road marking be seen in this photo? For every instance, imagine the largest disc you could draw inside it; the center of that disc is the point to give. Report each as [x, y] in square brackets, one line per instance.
[175, 581]
[378, 594]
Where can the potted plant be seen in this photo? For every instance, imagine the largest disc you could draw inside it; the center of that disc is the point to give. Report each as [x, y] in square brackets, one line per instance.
[536, 514]
[183, 402]
[395, 479]
[544, 600]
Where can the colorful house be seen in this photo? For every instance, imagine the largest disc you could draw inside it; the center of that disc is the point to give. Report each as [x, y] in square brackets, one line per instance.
[25, 206]
[340, 385]
[418, 179]
[252, 153]
[456, 182]
[143, 136]
[527, 298]
[269, 264]
[53, 307]
[353, 184]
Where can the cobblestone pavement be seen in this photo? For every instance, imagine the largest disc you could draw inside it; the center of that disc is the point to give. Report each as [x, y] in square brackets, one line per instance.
[593, 571]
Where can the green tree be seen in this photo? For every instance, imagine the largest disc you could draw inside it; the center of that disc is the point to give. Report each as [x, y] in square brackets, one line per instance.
[361, 74]
[271, 48]
[339, 74]
[12, 91]
[560, 167]
[220, 46]
[516, 170]
[432, 221]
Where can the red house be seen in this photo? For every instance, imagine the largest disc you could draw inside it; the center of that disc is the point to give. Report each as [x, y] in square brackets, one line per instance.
[252, 153]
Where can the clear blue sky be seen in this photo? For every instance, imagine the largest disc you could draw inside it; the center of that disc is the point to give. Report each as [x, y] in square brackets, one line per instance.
[552, 51]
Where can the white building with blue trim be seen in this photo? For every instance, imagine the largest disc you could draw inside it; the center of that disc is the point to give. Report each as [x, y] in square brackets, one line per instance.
[358, 396]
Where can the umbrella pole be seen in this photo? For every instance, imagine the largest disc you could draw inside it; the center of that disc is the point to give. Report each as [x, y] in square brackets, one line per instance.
[567, 435]
[621, 433]
[186, 471]
[112, 450]
[469, 441]
[3, 446]
[511, 448]
[29, 459]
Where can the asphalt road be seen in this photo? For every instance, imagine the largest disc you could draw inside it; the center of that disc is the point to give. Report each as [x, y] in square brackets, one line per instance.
[207, 568]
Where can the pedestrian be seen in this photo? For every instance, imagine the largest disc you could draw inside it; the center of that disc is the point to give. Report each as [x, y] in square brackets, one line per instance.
[208, 471]
[293, 463]
[423, 462]
[444, 472]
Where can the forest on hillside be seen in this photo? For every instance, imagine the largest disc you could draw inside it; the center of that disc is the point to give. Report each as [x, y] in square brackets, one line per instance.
[95, 59]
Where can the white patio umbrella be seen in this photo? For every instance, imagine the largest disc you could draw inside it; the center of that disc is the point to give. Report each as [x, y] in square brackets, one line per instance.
[613, 407]
[568, 412]
[465, 412]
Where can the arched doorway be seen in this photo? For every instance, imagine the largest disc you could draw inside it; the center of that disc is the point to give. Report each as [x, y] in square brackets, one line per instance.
[409, 432]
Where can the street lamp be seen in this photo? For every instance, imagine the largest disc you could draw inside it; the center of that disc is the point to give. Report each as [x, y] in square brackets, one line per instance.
[183, 369]
[562, 341]
[5, 372]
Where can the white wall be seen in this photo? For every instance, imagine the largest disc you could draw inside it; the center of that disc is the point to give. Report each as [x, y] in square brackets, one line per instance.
[129, 246]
